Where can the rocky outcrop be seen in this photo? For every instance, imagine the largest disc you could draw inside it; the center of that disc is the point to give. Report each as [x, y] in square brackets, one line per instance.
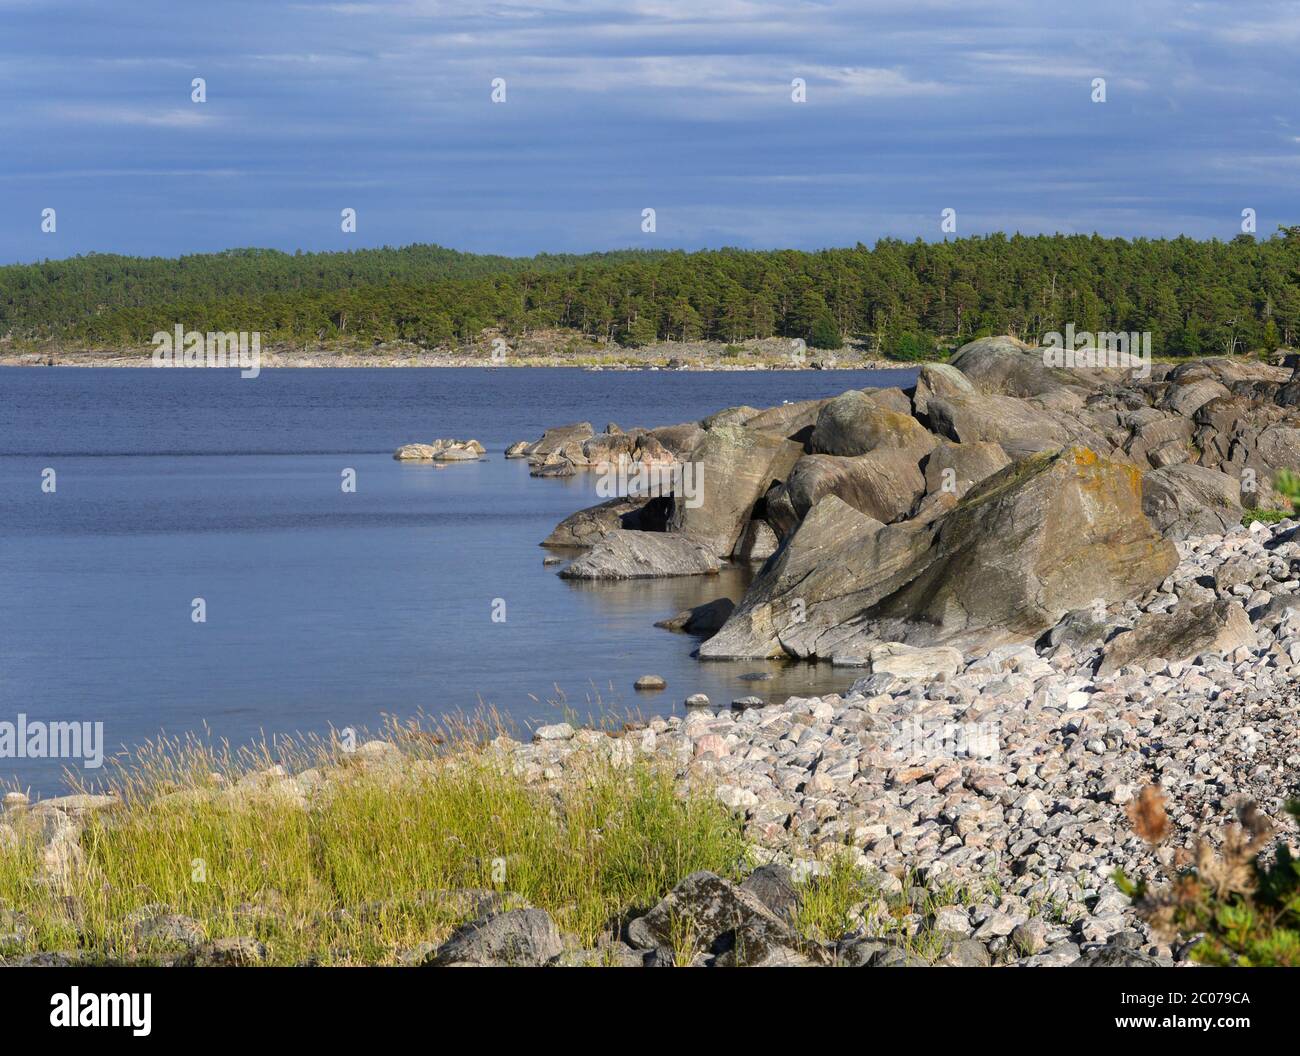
[757, 542]
[706, 619]
[1185, 500]
[554, 440]
[1024, 547]
[956, 468]
[441, 451]
[589, 526]
[1022, 427]
[1005, 366]
[734, 468]
[1214, 627]
[621, 554]
[884, 484]
[859, 422]
[938, 379]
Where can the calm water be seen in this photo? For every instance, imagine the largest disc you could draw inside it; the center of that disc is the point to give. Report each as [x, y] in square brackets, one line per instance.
[325, 608]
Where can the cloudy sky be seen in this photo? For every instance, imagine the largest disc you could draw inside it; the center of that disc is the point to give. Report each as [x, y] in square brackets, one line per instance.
[614, 106]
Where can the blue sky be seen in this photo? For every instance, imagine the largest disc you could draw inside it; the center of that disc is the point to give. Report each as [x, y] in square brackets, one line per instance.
[683, 106]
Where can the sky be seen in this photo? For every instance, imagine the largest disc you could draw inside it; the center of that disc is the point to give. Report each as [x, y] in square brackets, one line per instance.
[613, 107]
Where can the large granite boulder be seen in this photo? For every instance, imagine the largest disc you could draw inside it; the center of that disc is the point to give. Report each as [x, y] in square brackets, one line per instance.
[642, 555]
[589, 526]
[757, 542]
[884, 484]
[554, 440]
[1189, 396]
[856, 423]
[1185, 500]
[1025, 546]
[956, 468]
[1189, 630]
[939, 379]
[679, 440]
[1007, 367]
[703, 619]
[733, 468]
[793, 421]
[1023, 427]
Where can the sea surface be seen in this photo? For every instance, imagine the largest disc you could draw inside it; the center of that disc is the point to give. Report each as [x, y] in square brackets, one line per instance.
[328, 609]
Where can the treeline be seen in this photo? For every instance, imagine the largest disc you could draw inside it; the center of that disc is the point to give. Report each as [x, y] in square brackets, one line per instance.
[905, 298]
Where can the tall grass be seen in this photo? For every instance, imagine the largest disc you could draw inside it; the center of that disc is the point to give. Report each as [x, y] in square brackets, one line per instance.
[360, 860]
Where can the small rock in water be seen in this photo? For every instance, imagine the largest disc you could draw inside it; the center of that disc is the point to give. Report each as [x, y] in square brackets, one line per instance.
[757, 676]
[697, 700]
[741, 703]
[650, 682]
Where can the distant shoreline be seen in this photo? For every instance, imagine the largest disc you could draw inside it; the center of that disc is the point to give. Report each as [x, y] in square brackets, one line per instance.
[300, 360]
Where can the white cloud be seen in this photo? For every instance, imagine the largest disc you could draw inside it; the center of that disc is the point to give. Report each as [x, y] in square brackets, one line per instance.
[117, 114]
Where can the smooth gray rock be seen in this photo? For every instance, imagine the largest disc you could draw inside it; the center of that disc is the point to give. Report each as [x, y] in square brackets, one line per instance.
[1187, 500]
[523, 938]
[622, 554]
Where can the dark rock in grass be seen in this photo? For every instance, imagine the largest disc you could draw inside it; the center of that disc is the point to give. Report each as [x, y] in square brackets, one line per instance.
[773, 886]
[710, 914]
[47, 959]
[242, 952]
[610, 955]
[860, 952]
[162, 930]
[518, 938]
[897, 958]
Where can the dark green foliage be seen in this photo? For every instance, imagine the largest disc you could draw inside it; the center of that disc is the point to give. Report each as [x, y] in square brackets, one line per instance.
[909, 346]
[825, 334]
[1196, 298]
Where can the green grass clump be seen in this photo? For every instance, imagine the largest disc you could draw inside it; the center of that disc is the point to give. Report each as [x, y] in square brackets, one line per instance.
[1267, 516]
[371, 863]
